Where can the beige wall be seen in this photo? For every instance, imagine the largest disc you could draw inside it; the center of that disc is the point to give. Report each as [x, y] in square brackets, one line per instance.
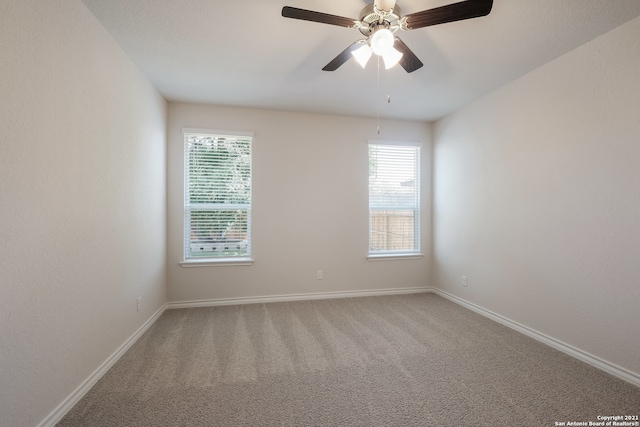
[82, 188]
[537, 199]
[310, 205]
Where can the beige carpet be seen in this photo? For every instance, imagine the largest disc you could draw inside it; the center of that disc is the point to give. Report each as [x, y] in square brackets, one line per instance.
[375, 361]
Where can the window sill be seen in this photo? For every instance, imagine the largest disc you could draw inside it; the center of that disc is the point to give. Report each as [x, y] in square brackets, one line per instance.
[388, 257]
[213, 262]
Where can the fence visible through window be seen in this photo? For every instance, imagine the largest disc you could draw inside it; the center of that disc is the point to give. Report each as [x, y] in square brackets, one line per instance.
[392, 230]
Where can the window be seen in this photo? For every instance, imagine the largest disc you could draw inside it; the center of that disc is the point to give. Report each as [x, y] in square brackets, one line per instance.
[217, 196]
[394, 198]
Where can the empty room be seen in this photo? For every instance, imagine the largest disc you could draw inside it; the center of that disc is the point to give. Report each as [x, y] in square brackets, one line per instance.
[305, 213]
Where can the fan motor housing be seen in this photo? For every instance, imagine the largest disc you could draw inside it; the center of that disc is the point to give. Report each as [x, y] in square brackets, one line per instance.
[370, 20]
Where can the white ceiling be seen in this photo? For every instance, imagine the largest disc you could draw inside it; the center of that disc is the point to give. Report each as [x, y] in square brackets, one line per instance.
[244, 53]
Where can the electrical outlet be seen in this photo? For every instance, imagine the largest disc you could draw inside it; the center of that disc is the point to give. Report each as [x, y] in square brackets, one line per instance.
[464, 281]
[319, 275]
[139, 303]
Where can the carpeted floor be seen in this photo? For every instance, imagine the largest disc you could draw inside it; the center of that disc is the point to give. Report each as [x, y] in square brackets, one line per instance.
[374, 361]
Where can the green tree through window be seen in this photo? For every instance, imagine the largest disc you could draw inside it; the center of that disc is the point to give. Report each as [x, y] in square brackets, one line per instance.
[217, 196]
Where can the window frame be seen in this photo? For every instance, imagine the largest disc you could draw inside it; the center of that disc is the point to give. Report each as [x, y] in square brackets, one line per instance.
[415, 253]
[191, 261]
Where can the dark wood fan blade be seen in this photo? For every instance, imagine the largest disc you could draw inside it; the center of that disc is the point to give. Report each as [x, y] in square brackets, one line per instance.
[343, 57]
[449, 13]
[409, 60]
[323, 18]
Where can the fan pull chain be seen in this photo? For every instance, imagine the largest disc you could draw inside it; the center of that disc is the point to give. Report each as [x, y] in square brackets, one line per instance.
[381, 91]
[387, 85]
[378, 104]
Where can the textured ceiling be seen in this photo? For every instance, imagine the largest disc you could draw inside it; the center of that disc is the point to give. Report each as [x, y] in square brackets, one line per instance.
[244, 53]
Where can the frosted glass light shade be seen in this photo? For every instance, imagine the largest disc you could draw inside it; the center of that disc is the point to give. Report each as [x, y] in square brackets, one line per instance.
[391, 57]
[362, 54]
[381, 41]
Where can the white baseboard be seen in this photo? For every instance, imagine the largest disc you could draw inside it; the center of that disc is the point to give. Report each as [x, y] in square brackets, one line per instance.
[86, 385]
[62, 409]
[296, 297]
[592, 360]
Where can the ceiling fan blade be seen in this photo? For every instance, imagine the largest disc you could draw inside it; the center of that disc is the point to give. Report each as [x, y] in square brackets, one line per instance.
[343, 57]
[409, 60]
[452, 12]
[385, 5]
[323, 18]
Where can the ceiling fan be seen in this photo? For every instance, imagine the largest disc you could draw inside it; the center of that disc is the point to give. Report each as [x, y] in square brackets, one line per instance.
[379, 21]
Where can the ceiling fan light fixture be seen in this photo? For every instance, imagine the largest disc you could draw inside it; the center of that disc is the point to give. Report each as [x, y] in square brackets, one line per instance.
[382, 41]
[379, 20]
[391, 57]
[362, 54]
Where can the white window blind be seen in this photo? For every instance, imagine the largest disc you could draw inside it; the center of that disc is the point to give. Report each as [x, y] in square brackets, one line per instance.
[394, 198]
[217, 203]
